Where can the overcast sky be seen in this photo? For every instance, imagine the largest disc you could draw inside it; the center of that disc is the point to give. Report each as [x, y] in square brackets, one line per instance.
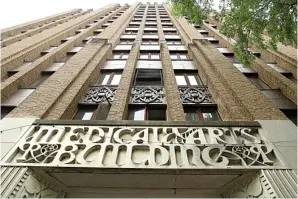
[14, 12]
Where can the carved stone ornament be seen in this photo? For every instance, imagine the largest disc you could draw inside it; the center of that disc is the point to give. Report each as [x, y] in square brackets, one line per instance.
[147, 94]
[143, 147]
[255, 187]
[99, 94]
[195, 95]
[30, 185]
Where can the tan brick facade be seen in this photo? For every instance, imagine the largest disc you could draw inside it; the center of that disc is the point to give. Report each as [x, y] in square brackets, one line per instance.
[266, 73]
[237, 99]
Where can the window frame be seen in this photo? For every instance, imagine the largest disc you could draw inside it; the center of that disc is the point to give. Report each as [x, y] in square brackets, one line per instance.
[199, 111]
[147, 108]
[186, 75]
[136, 77]
[110, 78]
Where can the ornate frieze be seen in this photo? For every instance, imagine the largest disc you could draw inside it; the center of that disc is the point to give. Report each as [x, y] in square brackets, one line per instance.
[143, 147]
[147, 94]
[195, 95]
[98, 94]
[23, 183]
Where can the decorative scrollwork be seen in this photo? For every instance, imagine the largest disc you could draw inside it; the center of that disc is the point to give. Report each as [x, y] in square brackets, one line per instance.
[195, 95]
[147, 94]
[100, 94]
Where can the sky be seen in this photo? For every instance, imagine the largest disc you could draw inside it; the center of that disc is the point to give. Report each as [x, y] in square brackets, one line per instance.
[14, 12]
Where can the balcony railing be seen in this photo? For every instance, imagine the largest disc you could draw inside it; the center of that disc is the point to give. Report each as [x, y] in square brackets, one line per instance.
[194, 94]
[147, 94]
[99, 94]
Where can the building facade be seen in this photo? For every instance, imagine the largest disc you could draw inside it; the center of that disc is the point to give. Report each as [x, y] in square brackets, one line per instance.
[131, 101]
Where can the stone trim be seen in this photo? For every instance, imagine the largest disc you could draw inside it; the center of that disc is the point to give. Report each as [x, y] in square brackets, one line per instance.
[275, 183]
[273, 78]
[119, 109]
[149, 123]
[16, 38]
[14, 30]
[21, 182]
[175, 110]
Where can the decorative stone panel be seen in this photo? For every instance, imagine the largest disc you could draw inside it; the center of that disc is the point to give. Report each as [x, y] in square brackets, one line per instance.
[99, 94]
[75, 146]
[266, 184]
[23, 183]
[195, 95]
[147, 94]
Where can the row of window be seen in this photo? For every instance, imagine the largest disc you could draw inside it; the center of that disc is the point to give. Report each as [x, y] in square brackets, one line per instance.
[146, 112]
[274, 95]
[145, 77]
[14, 100]
[152, 56]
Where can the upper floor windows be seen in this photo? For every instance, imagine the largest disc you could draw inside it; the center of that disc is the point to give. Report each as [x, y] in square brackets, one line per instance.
[109, 78]
[179, 56]
[126, 41]
[200, 113]
[174, 42]
[145, 77]
[147, 113]
[120, 55]
[187, 79]
[150, 41]
[148, 55]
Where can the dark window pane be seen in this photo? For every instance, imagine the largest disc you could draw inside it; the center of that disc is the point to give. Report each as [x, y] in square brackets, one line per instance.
[40, 80]
[191, 116]
[156, 114]
[5, 110]
[258, 83]
[148, 77]
[201, 113]
[291, 114]
[278, 99]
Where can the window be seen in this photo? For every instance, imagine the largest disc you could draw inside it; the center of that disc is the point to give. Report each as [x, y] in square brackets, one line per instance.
[188, 79]
[150, 32]
[147, 113]
[149, 56]
[114, 64]
[126, 41]
[109, 78]
[174, 42]
[44, 76]
[258, 82]
[291, 114]
[167, 32]
[150, 41]
[244, 69]
[74, 50]
[146, 77]
[179, 56]
[92, 112]
[18, 68]
[278, 99]
[120, 55]
[18, 97]
[48, 50]
[130, 32]
[201, 113]
[5, 110]
[225, 51]
[55, 66]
